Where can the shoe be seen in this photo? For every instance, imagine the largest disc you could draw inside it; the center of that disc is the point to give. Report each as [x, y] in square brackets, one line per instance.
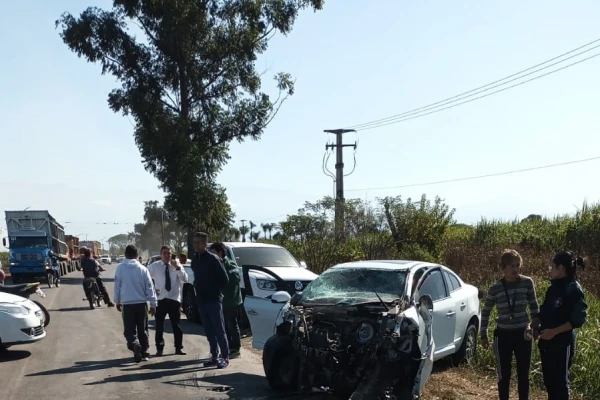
[137, 353]
[57, 283]
[213, 362]
[111, 304]
[234, 354]
[180, 352]
[159, 352]
[145, 356]
[224, 363]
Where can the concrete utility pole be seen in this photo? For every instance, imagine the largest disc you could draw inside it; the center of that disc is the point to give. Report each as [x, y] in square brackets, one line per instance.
[243, 226]
[339, 177]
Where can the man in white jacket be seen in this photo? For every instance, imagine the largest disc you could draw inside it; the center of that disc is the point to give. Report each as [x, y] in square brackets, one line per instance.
[168, 277]
[133, 291]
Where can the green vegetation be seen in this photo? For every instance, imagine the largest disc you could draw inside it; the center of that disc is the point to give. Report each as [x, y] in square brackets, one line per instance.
[425, 230]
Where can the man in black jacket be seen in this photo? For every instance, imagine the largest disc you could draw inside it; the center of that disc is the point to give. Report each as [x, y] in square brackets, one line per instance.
[209, 278]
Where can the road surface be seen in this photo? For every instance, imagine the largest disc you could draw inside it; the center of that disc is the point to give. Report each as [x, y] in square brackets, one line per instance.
[84, 356]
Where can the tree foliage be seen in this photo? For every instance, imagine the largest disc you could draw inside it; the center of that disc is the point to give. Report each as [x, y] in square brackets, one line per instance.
[118, 243]
[191, 86]
[148, 235]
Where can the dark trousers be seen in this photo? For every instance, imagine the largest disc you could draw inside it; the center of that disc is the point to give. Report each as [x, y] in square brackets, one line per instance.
[102, 288]
[171, 308]
[557, 358]
[213, 322]
[232, 328]
[507, 343]
[135, 325]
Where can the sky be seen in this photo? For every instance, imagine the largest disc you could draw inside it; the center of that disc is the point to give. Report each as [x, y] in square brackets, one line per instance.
[63, 150]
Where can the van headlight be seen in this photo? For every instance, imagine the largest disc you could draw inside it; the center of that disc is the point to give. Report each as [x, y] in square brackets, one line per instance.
[264, 284]
[11, 308]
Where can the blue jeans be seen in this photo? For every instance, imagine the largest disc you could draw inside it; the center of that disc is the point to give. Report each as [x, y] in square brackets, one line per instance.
[213, 322]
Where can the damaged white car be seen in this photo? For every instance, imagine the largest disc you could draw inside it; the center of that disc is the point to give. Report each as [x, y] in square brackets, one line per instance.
[365, 330]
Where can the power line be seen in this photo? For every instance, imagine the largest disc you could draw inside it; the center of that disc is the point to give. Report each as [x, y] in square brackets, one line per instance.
[479, 176]
[403, 116]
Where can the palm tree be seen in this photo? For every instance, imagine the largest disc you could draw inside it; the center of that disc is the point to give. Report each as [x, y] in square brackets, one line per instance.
[255, 235]
[233, 233]
[265, 228]
[252, 225]
[243, 231]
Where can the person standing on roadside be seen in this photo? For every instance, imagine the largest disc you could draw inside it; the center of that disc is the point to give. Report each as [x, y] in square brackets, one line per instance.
[133, 291]
[209, 278]
[168, 277]
[232, 299]
[183, 259]
[511, 295]
[563, 310]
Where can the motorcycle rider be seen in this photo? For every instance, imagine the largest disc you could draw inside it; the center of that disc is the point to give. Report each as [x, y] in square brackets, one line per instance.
[55, 267]
[91, 269]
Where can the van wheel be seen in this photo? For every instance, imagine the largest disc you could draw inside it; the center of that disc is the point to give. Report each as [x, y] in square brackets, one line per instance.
[468, 348]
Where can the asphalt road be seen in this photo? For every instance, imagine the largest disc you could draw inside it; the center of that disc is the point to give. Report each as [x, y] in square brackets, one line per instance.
[84, 355]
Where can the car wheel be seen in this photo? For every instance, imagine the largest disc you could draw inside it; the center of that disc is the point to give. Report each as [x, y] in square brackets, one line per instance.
[281, 364]
[190, 308]
[468, 348]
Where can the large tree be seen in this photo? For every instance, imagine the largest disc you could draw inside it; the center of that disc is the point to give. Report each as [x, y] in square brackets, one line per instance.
[191, 86]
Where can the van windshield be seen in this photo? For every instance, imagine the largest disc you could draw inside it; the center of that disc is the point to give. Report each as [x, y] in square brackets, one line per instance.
[264, 257]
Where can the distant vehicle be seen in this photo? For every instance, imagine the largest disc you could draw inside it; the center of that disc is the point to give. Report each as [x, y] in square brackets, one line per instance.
[31, 236]
[93, 245]
[294, 275]
[21, 321]
[105, 259]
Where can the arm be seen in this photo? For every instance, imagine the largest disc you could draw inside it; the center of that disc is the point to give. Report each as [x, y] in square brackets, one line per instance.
[233, 272]
[183, 276]
[117, 294]
[578, 314]
[149, 288]
[534, 307]
[221, 274]
[490, 302]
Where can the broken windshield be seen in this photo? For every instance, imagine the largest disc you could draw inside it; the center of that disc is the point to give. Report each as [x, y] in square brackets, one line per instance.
[346, 286]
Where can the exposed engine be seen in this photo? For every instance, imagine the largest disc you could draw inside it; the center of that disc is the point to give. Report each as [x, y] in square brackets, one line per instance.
[339, 346]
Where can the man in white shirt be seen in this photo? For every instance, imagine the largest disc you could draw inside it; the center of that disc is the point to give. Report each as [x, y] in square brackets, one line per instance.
[169, 277]
[133, 292]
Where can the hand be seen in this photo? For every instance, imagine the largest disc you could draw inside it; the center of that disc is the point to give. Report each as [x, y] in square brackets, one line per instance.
[536, 334]
[119, 308]
[152, 311]
[528, 334]
[548, 334]
[485, 343]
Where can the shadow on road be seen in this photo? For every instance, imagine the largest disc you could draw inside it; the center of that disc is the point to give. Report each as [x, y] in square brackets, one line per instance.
[13, 355]
[237, 385]
[87, 366]
[188, 327]
[78, 279]
[82, 308]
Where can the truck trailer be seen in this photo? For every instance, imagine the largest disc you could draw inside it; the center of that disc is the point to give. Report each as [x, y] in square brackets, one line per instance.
[73, 249]
[32, 234]
[93, 245]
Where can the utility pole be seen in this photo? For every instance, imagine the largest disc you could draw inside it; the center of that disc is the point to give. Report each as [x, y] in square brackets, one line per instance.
[243, 226]
[339, 177]
[162, 226]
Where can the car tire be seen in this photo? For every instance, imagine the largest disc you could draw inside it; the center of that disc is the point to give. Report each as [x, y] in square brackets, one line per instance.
[281, 365]
[189, 305]
[468, 348]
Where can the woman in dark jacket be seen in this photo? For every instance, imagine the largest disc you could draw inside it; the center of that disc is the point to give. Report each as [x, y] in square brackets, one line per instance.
[564, 310]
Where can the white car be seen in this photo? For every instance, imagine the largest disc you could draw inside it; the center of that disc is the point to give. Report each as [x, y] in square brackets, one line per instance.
[456, 305]
[106, 259]
[279, 271]
[21, 321]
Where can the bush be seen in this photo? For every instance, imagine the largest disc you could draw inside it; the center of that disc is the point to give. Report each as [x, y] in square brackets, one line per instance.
[4, 261]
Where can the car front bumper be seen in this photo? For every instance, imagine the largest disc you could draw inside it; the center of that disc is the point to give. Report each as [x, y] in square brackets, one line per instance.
[21, 329]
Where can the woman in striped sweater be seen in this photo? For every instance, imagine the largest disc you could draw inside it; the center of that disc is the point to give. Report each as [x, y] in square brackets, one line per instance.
[511, 296]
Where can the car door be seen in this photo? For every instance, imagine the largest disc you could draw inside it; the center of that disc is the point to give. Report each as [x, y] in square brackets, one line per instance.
[460, 303]
[444, 311]
[262, 314]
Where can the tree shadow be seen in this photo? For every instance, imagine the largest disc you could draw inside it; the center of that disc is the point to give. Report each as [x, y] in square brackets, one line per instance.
[237, 385]
[13, 355]
[87, 366]
[188, 327]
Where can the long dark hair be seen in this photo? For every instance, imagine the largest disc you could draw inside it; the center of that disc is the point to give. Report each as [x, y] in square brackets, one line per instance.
[569, 261]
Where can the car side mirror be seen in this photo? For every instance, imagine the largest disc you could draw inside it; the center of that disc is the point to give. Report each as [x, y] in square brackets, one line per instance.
[303, 264]
[426, 301]
[4, 242]
[281, 297]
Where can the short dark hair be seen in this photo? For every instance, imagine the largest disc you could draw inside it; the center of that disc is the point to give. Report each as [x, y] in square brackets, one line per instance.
[183, 255]
[131, 252]
[201, 235]
[219, 247]
[165, 247]
[87, 252]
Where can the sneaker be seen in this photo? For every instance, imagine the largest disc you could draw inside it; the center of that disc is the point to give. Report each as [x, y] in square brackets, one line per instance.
[213, 362]
[180, 352]
[159, 352]
[137, 353]
[111, 304]
[234, 354]
[145, 356]
[224, 363]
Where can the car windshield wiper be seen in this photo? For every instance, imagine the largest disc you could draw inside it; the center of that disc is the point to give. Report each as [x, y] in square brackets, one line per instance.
[374, 291]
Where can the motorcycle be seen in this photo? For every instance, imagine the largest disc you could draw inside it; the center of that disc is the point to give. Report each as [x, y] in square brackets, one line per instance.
[26, 290]
[93, 290]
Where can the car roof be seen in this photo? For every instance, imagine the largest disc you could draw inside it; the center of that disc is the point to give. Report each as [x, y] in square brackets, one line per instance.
[250, 244]
[402, 265]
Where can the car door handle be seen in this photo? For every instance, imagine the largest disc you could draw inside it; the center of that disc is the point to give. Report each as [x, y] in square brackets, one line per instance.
[450, 313]
[252, 312]
[462, 306]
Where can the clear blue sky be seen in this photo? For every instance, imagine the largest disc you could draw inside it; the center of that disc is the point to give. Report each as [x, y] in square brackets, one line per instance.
[356, 61]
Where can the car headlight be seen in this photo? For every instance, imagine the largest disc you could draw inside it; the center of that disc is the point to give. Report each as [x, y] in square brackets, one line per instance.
[12, 308]
[264, 284]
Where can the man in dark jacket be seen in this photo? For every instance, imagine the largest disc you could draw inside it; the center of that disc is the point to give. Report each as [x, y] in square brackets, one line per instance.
[232, 299]
[91, 269]
[209, 278]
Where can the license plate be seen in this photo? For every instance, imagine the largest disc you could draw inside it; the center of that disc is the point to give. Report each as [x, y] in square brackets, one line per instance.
[40, 292]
